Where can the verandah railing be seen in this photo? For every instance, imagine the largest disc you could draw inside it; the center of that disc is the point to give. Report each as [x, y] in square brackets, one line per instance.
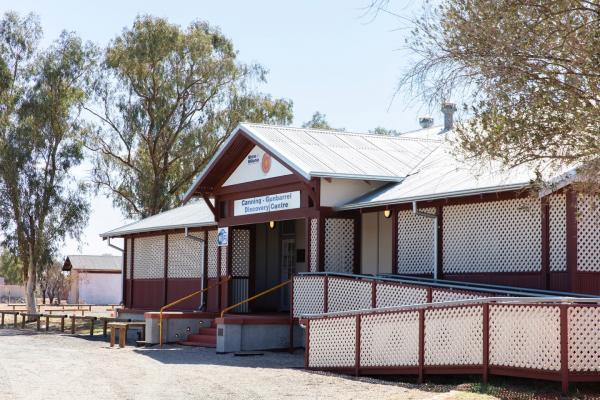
[316, 293]
[548, 338]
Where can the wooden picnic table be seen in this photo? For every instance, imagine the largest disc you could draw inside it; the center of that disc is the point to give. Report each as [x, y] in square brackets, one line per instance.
[122, 327]
[15, 315]
[67, 310]
[88, 318]
[31, 317]
[62, 320]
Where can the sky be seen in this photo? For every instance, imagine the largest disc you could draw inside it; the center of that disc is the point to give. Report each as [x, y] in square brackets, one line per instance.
[325, 56]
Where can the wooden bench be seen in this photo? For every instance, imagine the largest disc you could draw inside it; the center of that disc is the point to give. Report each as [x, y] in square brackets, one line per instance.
[30, 317]
[67, 310]
[91, 320]
[123, 327]
[106, 320]
[50, 316]
[15, 315]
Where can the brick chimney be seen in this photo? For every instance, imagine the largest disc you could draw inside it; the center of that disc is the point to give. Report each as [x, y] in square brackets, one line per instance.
[448, 109]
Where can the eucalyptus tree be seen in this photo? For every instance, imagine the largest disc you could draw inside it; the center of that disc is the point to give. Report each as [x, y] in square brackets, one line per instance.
[40, 130]
[529, 72]
[165, 98]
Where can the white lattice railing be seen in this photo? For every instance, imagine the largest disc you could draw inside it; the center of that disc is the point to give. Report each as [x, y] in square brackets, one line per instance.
[316, 294]
[550, 338]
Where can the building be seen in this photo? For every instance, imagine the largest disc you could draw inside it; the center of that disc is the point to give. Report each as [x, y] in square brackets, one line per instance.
[94, 279]
[325, 208]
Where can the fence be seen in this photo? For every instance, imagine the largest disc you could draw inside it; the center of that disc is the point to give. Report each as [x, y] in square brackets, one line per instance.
[322, 293]
[533, 338]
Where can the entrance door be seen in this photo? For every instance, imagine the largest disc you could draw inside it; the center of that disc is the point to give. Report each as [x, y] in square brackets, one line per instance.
[288, 268]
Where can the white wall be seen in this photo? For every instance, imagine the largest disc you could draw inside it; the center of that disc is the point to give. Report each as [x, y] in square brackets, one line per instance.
[12, 290]
[251, 169]
[340, 191]
[376, 243]
[99, 288]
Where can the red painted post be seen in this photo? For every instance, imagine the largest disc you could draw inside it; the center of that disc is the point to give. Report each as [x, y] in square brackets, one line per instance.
[374, 294]
[326, 294]
[545, 270]
[357, 347]
[307, 344]
[131, 280]
[395, 241]
[564, 348]
[571, 231]
[166, 270]
[440, 242]
[421, 344]
[486, 342]
[291, 349]
[429, 295]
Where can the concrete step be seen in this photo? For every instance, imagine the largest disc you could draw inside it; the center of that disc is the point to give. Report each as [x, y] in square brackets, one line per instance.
[203, 338]
[208, 331]
[198, 344]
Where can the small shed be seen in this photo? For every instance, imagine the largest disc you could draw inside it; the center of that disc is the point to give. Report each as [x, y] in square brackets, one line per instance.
[94, 279]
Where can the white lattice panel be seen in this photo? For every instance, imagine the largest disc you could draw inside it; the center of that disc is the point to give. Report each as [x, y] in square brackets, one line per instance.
[525, 336]
[389, 340]
[223, 260]
[499, 236]
[391, 295]
[584, 338]
[149, 257]
[558, 232]
[339, 245]
[439, 295]
[588, 233]
[348, 294]
[212, 254]
[314, 243]
[416, 242]
[240, 252]
[332, 342]
[454, 336]
[186, 257]
[309, 294]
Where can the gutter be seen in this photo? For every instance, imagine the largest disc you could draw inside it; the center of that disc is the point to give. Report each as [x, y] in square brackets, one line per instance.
[443, 195]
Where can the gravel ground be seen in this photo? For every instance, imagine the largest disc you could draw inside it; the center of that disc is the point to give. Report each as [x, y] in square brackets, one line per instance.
[53, 366]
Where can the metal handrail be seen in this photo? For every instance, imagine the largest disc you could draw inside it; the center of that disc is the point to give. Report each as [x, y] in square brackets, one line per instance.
[189, 296]
[249, 299]
[484, 288]
[441, 304]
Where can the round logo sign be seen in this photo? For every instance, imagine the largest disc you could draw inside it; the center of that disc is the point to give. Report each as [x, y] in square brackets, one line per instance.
[266, 163]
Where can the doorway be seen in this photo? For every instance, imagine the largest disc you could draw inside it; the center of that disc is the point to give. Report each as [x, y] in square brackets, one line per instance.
[279, 254]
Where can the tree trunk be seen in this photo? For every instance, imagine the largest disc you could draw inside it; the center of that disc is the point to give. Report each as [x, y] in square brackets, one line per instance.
[31, 283]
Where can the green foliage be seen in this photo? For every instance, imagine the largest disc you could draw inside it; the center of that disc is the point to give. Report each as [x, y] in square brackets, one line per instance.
[318, 121]
[11, 268]
[384, 131]
[40, 132]
[530, 71]
[165, 98]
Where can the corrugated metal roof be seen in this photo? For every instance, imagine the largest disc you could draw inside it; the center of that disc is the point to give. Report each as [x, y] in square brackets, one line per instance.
[318, 152]
[335, 154]
[94, 263]
[442, 175]
[192, 215]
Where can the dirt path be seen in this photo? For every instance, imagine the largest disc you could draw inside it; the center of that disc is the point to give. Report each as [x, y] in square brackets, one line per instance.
[52, 366]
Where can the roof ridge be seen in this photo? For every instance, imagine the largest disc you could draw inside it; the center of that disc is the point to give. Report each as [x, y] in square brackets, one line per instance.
[338, 132]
